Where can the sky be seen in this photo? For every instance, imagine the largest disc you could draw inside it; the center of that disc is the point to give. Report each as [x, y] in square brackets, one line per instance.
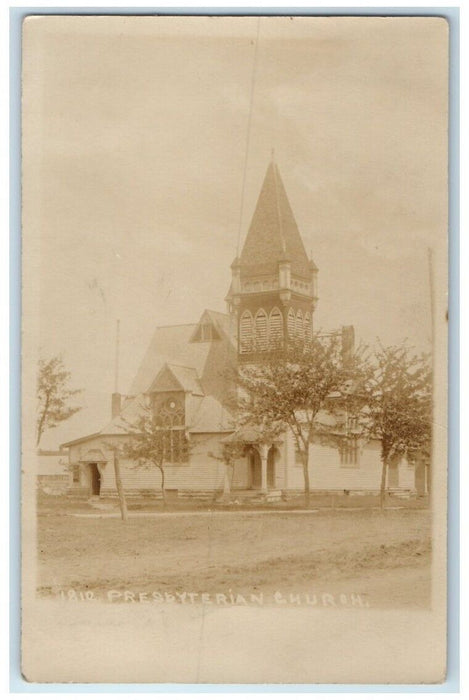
[146, 141]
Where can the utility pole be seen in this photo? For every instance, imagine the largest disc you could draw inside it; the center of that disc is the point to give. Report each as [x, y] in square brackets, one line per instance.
[120, 490]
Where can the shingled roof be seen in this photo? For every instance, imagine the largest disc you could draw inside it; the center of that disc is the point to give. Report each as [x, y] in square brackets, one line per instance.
[273, 234]
[172, 345]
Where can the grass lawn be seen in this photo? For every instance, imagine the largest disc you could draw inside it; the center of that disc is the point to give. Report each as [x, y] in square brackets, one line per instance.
[383, 556]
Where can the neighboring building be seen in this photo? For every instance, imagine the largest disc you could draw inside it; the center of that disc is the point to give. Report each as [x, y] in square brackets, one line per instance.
[53, 472]
[273, 295]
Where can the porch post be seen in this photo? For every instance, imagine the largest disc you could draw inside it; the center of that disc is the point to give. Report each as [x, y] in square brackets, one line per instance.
[263, 450]
[226, 481]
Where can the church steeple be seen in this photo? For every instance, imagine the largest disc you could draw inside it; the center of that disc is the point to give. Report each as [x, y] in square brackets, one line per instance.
[273, 233]
[274, 284]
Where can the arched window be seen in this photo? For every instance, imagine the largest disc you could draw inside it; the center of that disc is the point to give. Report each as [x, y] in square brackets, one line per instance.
[261, 329]
[275, 326]
[308, 327]
[170, 438]
[246, 332]
[171, 413]
[291, 324]
[299, 325]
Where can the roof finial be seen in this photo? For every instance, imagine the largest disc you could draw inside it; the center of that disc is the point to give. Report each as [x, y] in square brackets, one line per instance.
[272, 154]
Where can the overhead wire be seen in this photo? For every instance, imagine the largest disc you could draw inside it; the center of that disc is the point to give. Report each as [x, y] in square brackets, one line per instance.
[248, 134]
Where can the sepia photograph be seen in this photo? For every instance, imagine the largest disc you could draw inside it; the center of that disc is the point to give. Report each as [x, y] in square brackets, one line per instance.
[234, 349]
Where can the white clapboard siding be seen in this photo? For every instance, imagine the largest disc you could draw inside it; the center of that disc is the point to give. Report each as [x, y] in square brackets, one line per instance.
[406, 475]
[205, 470]
[326, 473]
[241, 476]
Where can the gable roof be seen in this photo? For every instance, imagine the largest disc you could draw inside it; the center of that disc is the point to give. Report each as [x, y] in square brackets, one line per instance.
[273, 233]
[130, 413]
[93, 455]
[205, 414]
[184, 378]
[222, 322]
[210, 416]
[172, 346]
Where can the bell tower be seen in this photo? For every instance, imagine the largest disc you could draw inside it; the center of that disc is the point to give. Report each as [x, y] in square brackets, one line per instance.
[273, 290]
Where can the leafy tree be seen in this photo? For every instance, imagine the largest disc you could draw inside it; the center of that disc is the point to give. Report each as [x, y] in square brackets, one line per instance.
[154, 443]
[53, 395]
[291, 385]
[398, 405]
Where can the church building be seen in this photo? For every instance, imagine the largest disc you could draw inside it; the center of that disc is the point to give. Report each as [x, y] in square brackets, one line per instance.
[183, 374]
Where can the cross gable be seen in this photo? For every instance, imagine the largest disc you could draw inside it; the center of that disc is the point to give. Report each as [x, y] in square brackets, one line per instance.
[165, 380]
[206, 330]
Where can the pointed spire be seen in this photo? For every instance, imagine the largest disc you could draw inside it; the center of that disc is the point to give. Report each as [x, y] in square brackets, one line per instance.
[273, 234]
[279, 213]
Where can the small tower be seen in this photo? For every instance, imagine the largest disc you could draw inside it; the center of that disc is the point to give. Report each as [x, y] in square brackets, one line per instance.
[273, 291]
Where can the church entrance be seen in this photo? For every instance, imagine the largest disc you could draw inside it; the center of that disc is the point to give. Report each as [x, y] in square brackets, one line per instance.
[255, 469]
[272, 458]
[95, 480]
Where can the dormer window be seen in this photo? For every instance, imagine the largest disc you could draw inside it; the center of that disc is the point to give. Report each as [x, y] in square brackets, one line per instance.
[205, 332]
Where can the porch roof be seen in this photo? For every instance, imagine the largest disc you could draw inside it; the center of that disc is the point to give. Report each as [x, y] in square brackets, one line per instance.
[93, 455]
[250, 434]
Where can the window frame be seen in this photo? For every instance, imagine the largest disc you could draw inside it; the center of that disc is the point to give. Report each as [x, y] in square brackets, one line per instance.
[349, 453]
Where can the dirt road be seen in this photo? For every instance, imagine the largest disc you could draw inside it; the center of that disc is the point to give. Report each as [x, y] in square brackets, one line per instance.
[384, 557]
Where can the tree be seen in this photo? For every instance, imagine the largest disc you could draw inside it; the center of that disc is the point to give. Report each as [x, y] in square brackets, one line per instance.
[154, 443]
[289, 386]
[398, 405]
[53, 395]
[231, 450]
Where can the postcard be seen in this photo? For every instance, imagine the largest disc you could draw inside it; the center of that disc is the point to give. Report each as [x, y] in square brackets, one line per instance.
[234, 349]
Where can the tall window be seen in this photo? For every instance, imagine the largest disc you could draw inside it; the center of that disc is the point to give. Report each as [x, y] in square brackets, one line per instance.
[170, 417]
[246, 332]
[349, 452]
[261, 329]
[275, 326]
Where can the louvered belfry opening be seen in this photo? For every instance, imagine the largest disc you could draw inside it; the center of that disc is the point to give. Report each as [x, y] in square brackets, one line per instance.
[275, 327]
[246, 332]
[274, 285]
[261, 338]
